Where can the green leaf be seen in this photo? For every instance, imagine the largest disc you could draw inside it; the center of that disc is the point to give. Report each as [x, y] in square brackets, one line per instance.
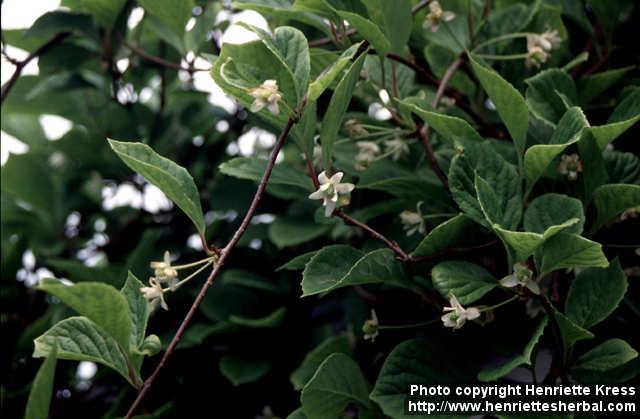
[623, 117]
[174, 13]
[443, 236]
[172, 179]
[450, 127]
[104, 11]
[553, 209]
[288, 231]
[41, 388]
[549, 93]
[252, 168]
[80, 339]
[340, 100]
[565, 250]
[138, 307]
[242, 370]
[495, 373]
[150, 346]
[538, 157]
[335, 344]
[241, 67]
[622, 167]
[502, 178]
[290, 46]
[610, 200]
[606, 356]
[395, 19]
[509, 103]
[593, 85]
[340, 266]
[417, 361]
[467, 281]
[369, 31]
[595, 293]
[298, 262]
[337, 382]
[101, 303]
[594, 172]
[328, 75]
[571, 332]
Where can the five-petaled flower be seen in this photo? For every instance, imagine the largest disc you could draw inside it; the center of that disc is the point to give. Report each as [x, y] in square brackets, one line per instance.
[164, 272]
[396, 148]
[456, 316]
[437, 15]
[332, 192]
[267, 94]
[154, 293]
[522, 276]
[539, 47]
[413, 221]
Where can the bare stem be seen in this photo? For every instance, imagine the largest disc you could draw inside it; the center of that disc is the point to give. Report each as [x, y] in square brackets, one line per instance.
[224, 254]
[20, 65]
[157, 60]
[424, 131]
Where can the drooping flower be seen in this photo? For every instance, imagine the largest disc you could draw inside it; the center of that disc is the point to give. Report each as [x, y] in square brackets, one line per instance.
[522, 276]
[436, 15]
[539, 47]
[354, 128]
[164, 272]
[396, 148]
[370, 327]
[332, 192]
[267, 94]
[154, 293]
[413, 221]
[570, 165]
[368, 151]
[456, 316]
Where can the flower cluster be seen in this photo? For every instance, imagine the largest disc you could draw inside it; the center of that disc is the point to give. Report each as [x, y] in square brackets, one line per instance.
[570, 165]
[267, 94]
[436, 15]
[396, 148]
[456, 316]
[522, 276]
[539, 47]
[332, 192]
[354, 128]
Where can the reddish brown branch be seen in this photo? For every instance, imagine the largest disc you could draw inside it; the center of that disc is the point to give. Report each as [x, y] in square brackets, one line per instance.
[20, 65]
[390, 244]
[424, 131]
[224, 254]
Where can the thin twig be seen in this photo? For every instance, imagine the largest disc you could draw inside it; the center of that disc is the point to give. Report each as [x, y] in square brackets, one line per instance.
[157, 60]
[424, 131]
[224, 254]
[6, 88]
[328, 40]
[390, 244]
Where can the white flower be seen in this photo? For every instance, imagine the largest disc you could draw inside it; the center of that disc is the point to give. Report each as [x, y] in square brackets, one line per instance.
[570, 165]
[354, 128]
[539, 47]
[397, 148]
[370, 327]
[456, 315]
[368, 151]
[437, 15]
[522, 276]
[154, 293]
[332, 192]
[163, 270]
[413, 221]
[267, 94]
